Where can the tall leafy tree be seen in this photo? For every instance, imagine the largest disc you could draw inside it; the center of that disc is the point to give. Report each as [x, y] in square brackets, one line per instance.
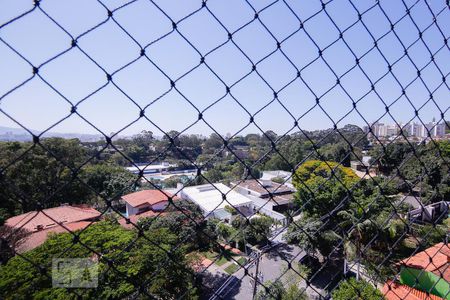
[136, 262]
[36, 176]
[358, 290]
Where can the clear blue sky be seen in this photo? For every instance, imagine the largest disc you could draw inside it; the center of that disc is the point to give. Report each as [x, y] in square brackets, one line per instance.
[37, 106]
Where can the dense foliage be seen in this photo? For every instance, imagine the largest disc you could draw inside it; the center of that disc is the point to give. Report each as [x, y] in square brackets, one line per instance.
[136, 262]
[356, 290]
[59, 171]
[341, 213]
[277, 291]
[255, 231]
[423, 167]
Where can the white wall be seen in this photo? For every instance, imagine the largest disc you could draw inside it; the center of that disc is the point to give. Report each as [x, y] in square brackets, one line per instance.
[131, 210]
[135, 210]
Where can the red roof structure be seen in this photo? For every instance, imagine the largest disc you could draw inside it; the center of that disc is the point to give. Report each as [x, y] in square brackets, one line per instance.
[395, 291]
[51, 217]
[435, 259]
[135, 218]
[149, 197]
[37, 238]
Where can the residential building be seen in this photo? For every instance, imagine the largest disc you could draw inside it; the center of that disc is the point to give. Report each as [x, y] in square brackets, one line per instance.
[360, 167]
[428, 271]
[392, 130]
[435, 129]
[150, 169]
[39, 224]
[268, 197]
[53, 217]
[412, 129]
[131, 221]
[146, 200]
[242, 152]
[285, 175]
[214, 198]
[37, 238]
[279, 195]
[396, 291]
[431, 213]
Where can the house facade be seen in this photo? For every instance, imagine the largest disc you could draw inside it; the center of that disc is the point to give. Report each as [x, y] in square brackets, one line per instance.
[146, 200]
[216, 199]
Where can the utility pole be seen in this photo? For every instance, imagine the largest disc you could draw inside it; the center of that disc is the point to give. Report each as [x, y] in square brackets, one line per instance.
[258, 257]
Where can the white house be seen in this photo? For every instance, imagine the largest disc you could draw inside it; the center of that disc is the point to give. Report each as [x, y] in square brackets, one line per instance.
[268, 197]
[146, 200]
[212, 199]
[150, 169]
[285, 175]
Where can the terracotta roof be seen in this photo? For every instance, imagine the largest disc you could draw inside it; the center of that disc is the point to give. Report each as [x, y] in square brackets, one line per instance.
[395, 291]
[234, 250]
[146, 197]
[435, 259]
[39, 237]
[61, 214]
[135, 218]
[201, 265]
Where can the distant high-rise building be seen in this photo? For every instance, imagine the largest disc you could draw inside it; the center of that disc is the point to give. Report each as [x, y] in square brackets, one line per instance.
[412, 129]
[392, 130]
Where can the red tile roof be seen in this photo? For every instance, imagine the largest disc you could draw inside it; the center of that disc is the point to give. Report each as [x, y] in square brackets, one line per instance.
[50, 217]
[146, 197]
[135, 218]
[395, 291]
[435, 259]
[234, 250]
[37, 238]
[202, 265]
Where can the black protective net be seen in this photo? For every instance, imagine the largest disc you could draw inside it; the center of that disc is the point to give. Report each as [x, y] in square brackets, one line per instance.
[264, 203]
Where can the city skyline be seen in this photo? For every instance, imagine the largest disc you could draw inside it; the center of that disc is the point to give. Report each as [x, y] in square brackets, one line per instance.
[412, 129]
[437, 129]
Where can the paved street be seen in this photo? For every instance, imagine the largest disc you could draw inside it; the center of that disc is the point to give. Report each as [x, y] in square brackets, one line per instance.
[271, 266]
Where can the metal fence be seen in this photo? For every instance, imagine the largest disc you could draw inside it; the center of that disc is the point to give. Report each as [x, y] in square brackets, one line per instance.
[396, 54]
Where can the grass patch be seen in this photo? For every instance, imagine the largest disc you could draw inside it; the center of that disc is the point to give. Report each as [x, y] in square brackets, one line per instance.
[232, 268]
[221, 261]
[242, 260]
[210, 255]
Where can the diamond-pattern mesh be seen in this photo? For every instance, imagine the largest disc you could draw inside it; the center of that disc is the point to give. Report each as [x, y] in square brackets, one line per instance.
[306, 63]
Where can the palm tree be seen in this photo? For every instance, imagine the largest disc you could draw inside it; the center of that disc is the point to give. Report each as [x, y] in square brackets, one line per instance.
[354, 236]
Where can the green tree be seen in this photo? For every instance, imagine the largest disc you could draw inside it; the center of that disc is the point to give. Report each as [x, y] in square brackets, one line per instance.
[293, 292]
[305, 233]
[258, 231]
[41, 176]
[358, 290]
[322, 186]
[225, 232]
[339, 152]
[135, 261]
[110, 182]
[277, 291]
[214, 175]
[212, 144]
